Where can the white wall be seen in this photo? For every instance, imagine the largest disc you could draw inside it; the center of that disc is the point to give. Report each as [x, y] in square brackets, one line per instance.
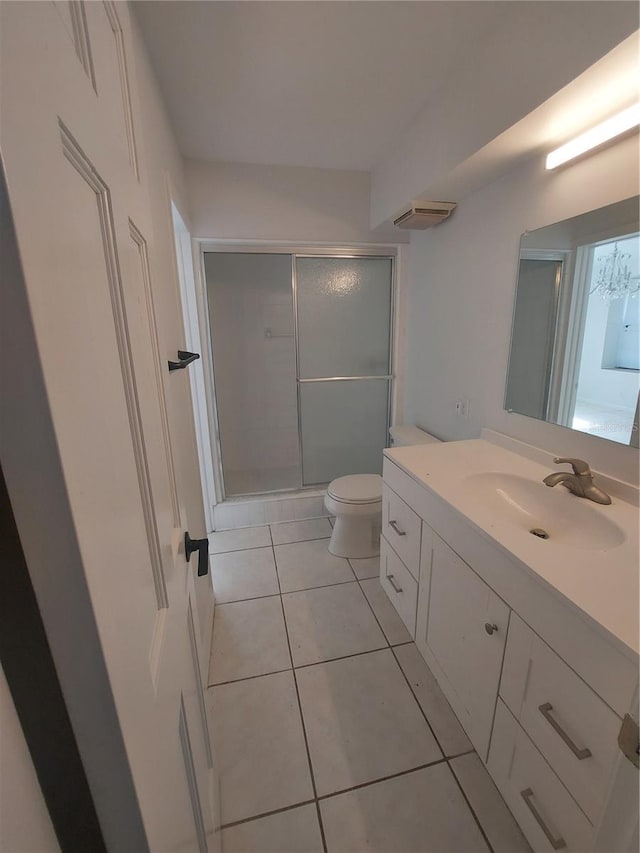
[463, 117]
[245, 202]
[462, 286]
[25, 825]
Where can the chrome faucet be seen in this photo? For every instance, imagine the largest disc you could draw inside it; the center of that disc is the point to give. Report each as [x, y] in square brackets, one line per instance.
[580, 482]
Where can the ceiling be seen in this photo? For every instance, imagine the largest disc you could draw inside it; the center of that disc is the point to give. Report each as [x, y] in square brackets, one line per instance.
[324, 84]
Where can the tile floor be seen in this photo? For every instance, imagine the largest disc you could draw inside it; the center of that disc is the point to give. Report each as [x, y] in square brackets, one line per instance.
[331, 733]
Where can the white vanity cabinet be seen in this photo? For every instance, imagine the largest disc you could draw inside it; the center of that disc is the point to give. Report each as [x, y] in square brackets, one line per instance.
[540, 691]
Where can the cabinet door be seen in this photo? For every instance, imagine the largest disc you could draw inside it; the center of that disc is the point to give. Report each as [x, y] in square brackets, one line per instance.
[466, 634]
[424, 589]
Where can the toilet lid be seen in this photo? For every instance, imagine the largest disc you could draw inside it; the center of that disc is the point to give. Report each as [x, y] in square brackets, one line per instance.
[356, 488]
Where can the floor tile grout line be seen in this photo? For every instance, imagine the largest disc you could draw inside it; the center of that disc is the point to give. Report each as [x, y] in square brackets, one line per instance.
[447, 759]
[426, 719]
[324, 586]
[242, 600]
[470, 807]
[369, 783]
[275, 594]
[250, 819]
[302, 723]
[239, 550]
[312, 663]
[250, 678]
[342, 657]
[300, 541]
[374, 612]
[273, 544]
[388, 778]
[460, 754]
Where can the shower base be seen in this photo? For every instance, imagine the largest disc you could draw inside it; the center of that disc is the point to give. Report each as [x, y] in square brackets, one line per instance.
[269, 509]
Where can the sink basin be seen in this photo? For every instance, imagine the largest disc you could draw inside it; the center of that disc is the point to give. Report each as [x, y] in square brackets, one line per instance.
[530, 505]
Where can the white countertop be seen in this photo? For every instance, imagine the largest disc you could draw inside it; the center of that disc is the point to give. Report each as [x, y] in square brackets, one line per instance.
[601, 583]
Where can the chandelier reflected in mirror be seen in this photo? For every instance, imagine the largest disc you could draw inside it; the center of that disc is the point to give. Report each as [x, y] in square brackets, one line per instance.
[614, 276]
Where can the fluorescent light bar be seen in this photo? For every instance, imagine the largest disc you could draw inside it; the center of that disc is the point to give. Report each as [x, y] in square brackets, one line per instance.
[601, 133]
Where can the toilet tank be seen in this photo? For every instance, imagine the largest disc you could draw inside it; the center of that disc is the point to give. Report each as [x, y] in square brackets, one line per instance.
[402, 436]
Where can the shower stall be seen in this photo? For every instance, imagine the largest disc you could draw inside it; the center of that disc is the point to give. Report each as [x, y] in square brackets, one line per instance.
[301, 349]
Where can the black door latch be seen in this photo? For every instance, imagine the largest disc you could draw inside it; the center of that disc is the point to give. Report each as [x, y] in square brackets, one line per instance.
[185, 359]
[202, 547]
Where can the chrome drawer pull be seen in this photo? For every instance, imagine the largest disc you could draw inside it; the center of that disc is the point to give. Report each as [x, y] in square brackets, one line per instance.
[556, 843]
[394, 524]
[545, 710]
[394, 584]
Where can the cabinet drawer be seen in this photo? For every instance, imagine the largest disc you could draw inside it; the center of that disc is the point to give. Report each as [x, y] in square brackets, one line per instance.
[399, 585]
[544, 809]
[571, 726]
[401, 527]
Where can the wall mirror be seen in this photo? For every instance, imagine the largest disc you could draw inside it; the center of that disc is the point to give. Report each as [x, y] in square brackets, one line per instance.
[574, 357]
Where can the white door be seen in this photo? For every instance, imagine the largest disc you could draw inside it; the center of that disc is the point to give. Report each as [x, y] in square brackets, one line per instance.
[106, 320]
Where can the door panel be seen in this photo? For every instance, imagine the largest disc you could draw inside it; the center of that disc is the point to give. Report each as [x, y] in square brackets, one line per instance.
[343, 428]
[344, 316]
[87, 233]
[144, 294]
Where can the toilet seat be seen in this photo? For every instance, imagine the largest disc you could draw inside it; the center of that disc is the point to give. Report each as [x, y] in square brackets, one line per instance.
[356, 489]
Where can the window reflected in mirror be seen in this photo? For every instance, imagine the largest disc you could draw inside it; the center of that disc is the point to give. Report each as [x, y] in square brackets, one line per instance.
[575, 343]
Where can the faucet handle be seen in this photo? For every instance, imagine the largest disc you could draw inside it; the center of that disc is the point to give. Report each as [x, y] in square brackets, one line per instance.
[580, 467]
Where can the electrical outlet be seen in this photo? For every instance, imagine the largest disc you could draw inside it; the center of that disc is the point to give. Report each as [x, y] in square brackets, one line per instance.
[462, 408]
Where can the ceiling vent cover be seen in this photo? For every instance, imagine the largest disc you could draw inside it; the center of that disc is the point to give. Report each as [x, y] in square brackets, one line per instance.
[424, 214]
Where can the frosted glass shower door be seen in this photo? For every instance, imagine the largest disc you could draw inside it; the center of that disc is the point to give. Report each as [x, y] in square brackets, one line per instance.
[344, 370]
[254, 364]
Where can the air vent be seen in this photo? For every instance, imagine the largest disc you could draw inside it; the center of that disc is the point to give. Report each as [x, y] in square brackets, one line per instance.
[422, 215]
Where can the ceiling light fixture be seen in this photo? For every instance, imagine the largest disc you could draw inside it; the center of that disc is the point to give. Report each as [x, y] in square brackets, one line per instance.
[598, 135]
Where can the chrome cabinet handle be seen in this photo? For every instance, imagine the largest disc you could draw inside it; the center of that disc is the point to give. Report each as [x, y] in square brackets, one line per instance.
[394, 525]
[490, 628]
[545, 710]
[394, 584]
[556, 843]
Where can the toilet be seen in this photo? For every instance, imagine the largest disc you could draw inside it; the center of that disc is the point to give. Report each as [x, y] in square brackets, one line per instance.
[356, 503]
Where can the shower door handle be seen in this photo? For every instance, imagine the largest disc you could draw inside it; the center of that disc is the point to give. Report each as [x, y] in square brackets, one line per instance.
[185, 359]
[202, 547]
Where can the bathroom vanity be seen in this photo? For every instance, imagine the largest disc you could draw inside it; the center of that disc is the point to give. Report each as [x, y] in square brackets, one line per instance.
[533, 640]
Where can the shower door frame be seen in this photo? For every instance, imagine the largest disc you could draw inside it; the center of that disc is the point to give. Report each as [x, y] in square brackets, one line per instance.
[294, 250]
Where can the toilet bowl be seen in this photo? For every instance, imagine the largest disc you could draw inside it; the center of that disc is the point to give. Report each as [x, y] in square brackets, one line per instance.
[356, 503]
